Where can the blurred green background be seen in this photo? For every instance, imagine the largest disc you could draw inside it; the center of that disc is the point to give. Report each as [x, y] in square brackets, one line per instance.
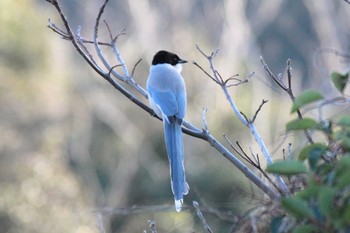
[70, 144]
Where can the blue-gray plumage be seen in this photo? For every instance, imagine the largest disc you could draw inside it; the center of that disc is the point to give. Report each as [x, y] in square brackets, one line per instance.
[167, 96]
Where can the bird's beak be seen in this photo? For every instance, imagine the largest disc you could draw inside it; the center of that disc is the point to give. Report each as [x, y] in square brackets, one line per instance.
[182, 61]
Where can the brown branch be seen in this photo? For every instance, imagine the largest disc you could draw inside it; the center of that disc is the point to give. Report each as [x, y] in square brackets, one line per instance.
[258, 110]
[67, 36]
[255, 163]
[288, 89]
[205, 72]
[134, 68]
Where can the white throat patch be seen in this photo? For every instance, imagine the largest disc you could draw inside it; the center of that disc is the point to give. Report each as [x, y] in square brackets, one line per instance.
[178, 67]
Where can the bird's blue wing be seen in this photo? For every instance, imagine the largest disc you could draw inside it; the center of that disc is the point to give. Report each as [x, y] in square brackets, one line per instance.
[166, 100]
[181, 105]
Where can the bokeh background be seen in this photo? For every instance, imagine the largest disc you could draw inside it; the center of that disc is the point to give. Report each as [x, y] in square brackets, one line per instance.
[70, 144]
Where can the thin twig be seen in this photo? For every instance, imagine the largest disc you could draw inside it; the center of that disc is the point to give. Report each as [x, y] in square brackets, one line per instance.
[112, 68]
[255, 163]
[201, 217]
[211, 77]
[277, 80]
[134, 68]
[115, 38]
[257, 111]
[66, 35]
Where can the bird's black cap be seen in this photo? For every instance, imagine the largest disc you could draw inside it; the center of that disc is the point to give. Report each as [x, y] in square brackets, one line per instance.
[165, 57]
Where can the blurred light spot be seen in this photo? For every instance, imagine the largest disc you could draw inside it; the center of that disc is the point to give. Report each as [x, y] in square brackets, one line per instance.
[84, 229]
[43, 169]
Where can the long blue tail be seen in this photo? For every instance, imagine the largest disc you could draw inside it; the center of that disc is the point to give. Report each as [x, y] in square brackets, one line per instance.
[174, 145]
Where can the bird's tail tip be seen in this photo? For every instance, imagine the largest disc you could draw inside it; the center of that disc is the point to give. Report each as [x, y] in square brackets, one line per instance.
[178, 205]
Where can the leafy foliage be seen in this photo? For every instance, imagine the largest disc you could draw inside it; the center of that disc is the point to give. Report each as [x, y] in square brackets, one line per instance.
[323, 203]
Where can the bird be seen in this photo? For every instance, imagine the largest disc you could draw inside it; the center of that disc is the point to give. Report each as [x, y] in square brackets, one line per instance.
[167, 96]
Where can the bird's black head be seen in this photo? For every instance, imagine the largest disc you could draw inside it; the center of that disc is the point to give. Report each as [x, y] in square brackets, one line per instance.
[165, 57]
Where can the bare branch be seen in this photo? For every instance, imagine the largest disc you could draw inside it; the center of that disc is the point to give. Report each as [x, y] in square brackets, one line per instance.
[66, 35]
[277, 80]
[211, 77]
[201, 217]
[257, 111]
[111, 69]
[115, 38]
[239, 81]
[133, 69]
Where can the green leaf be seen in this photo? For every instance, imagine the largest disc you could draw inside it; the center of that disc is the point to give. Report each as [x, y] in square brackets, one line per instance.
[305, 229]
[297, 207]
[345, 142]
[325, 199]
[344, 121]
[346, 215]
[340, 80]
[343, 172]
[343, 179]
[309, 192]
[310, 149]
[302, 124]
[305, 98]
[313, 157]
[289, 167]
